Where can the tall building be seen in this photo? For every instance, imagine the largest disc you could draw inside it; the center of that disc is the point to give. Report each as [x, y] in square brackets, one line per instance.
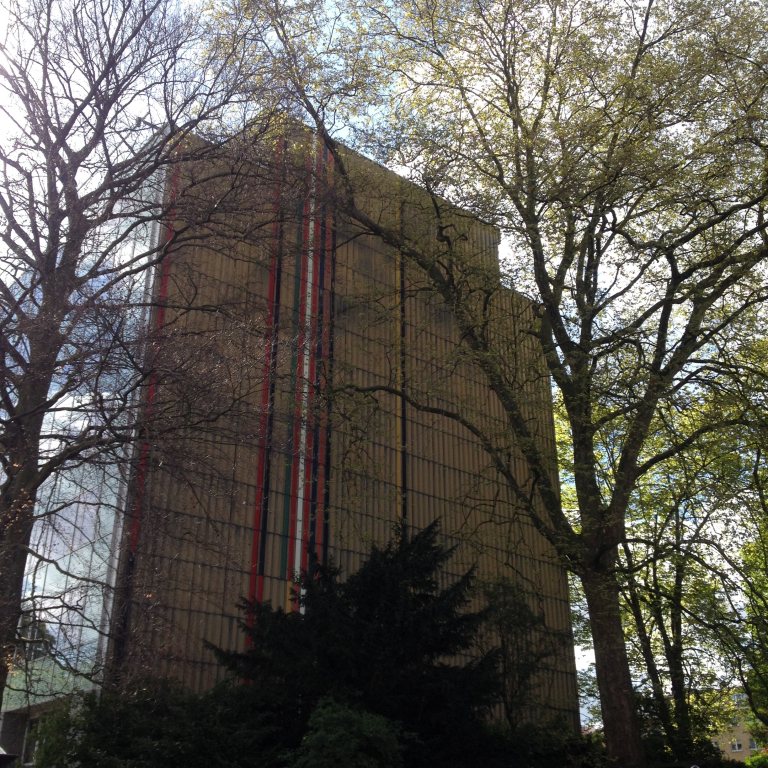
[305, 381]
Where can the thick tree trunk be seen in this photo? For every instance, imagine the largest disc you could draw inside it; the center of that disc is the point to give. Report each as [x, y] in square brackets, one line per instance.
[16, 521]
[12, 562]
[617, 701]
[19, 491]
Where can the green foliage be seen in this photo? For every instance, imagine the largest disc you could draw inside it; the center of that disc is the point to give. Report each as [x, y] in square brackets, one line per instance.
[757, 761]
[338, 735]
[156, 724]
[620, 146]
[382, 641]
[656, 742]
[360, 676]
[744, 634]
[525, 644]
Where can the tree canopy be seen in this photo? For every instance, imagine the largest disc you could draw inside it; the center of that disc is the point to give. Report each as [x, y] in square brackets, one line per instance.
[620, 147]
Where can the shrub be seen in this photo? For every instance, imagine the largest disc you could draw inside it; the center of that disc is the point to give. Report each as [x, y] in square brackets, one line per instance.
[340, 736]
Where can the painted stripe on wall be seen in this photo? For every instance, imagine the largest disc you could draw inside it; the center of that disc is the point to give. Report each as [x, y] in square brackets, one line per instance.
[256, 590]
[141, 477]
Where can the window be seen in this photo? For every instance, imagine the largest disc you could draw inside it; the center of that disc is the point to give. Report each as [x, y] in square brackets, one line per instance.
[736, 746]
[753, 744]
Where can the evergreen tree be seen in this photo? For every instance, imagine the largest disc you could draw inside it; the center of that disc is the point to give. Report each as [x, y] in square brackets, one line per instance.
[386, 640]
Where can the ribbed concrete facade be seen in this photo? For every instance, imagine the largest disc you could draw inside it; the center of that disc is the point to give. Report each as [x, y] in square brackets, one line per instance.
[321, 326]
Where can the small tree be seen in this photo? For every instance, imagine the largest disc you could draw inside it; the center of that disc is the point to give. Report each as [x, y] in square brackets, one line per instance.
[525, 645]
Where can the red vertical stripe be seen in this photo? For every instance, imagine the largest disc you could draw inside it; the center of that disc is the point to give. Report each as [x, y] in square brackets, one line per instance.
[141, 478]
[256, 587]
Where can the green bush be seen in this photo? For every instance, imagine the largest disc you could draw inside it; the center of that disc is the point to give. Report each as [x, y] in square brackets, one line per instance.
[552, 745]
[157, 724]
[757, 761]
[380, 642]
[340, 736]
[358, 678]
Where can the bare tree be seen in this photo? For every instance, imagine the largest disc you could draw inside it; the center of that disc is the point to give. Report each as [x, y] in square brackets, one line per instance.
[108, 100]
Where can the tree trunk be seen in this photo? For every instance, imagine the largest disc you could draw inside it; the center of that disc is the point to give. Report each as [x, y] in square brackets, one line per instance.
[673, 647]
[19, 491]
[12, 562]
[652, 669]
[617, 700]
[15, 529]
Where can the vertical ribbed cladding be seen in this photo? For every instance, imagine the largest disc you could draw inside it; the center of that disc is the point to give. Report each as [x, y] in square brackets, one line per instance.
[354, 312]
[292, 424]
[125, 587]
[307, 461]
[305, 395]
[313, 464]
[403, 415]
[298, 341]
[320, 469]
[264, 469]
[161, 300]
[331, 222]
